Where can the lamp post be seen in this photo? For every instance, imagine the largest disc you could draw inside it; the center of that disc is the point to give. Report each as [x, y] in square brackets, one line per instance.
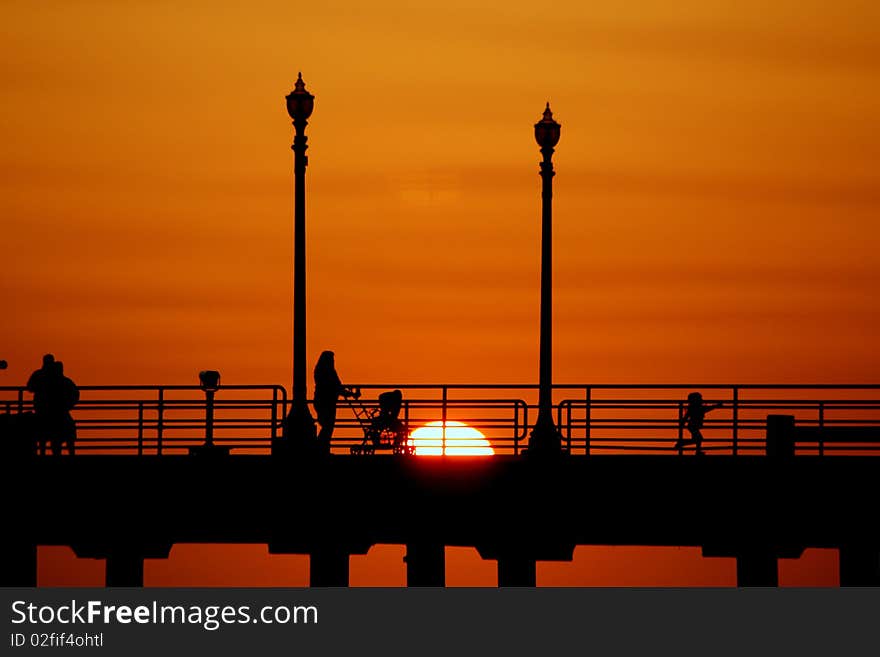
[544, 438]
[299, 425]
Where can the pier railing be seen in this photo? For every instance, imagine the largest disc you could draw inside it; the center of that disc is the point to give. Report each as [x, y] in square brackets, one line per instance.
[170, 419]
[592, 419]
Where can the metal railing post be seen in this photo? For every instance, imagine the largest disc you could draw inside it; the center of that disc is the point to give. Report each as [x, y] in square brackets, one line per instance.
[589, 418]
[21, 400]
[821, 426]
[567, 425]
[516, 428]
[140, 428]
[160, 419]
[409, 442]
[680, 427]
[274, 431]
[735, 420]
[443, 426]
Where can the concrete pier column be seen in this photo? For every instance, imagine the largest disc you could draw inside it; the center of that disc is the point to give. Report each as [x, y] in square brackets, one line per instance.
[124, 568]
[757, 567]
[328, 567]
[425, 564]
[859, 566]
[516, 571]
[18, 563]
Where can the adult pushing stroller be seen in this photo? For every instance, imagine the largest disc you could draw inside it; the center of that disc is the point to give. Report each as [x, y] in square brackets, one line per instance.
[381, 425]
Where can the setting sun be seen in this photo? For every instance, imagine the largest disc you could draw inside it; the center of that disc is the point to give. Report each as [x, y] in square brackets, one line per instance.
[460, 440]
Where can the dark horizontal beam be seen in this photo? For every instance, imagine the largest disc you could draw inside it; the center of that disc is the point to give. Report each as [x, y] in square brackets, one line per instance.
[491, 504]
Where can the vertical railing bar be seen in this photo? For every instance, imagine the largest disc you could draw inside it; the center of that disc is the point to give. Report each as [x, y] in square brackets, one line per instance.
[568, 425]
[160, 420]
[443, 425]
[680, 427]
[588, 419]
[273, 434]
[516, 427]
[140, 428]
[735, 420]
[21, 400]
[406, 426]
[821, 426]
[559, 417]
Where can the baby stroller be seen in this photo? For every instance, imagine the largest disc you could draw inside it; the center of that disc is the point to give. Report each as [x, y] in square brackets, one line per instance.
[381, 426]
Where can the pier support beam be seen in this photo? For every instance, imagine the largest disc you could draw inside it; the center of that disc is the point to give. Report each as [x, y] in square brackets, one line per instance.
[757, 567]
[328, 567]
[859, 565]
[124, 568]
[425, 564]
[516, 571]
[18, 564]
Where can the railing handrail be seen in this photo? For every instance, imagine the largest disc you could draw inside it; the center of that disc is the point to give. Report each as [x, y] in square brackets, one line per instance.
[497, 386]
[625, 386]
[246, 386]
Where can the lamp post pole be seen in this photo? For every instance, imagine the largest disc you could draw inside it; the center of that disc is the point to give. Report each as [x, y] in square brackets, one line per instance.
[209, 418]
[300, 425]
[544, 437]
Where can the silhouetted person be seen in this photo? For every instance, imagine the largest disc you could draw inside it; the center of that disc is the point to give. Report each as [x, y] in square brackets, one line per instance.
[39, 384]
[328, 387]
[61, 395]
[693, 419]
[35, 382]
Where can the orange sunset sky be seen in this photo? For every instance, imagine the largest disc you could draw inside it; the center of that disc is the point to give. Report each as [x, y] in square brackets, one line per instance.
[715, 211]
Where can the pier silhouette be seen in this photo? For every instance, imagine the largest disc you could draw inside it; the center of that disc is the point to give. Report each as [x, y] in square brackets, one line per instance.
[786, 468]
[776, 469]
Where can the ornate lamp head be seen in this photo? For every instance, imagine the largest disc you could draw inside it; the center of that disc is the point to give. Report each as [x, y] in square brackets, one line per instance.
[547, 130]
[300, 102]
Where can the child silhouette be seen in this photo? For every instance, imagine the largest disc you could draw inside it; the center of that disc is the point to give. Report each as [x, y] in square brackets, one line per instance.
[693, 419]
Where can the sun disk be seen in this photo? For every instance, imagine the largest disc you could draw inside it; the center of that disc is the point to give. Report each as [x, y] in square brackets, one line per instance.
[461, 440]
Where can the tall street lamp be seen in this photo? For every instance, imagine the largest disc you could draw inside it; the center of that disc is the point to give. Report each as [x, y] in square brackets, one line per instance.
[299, 425]
[544, 438]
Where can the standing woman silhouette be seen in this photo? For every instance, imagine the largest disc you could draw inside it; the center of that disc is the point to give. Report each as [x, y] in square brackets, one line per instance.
[328, 387]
